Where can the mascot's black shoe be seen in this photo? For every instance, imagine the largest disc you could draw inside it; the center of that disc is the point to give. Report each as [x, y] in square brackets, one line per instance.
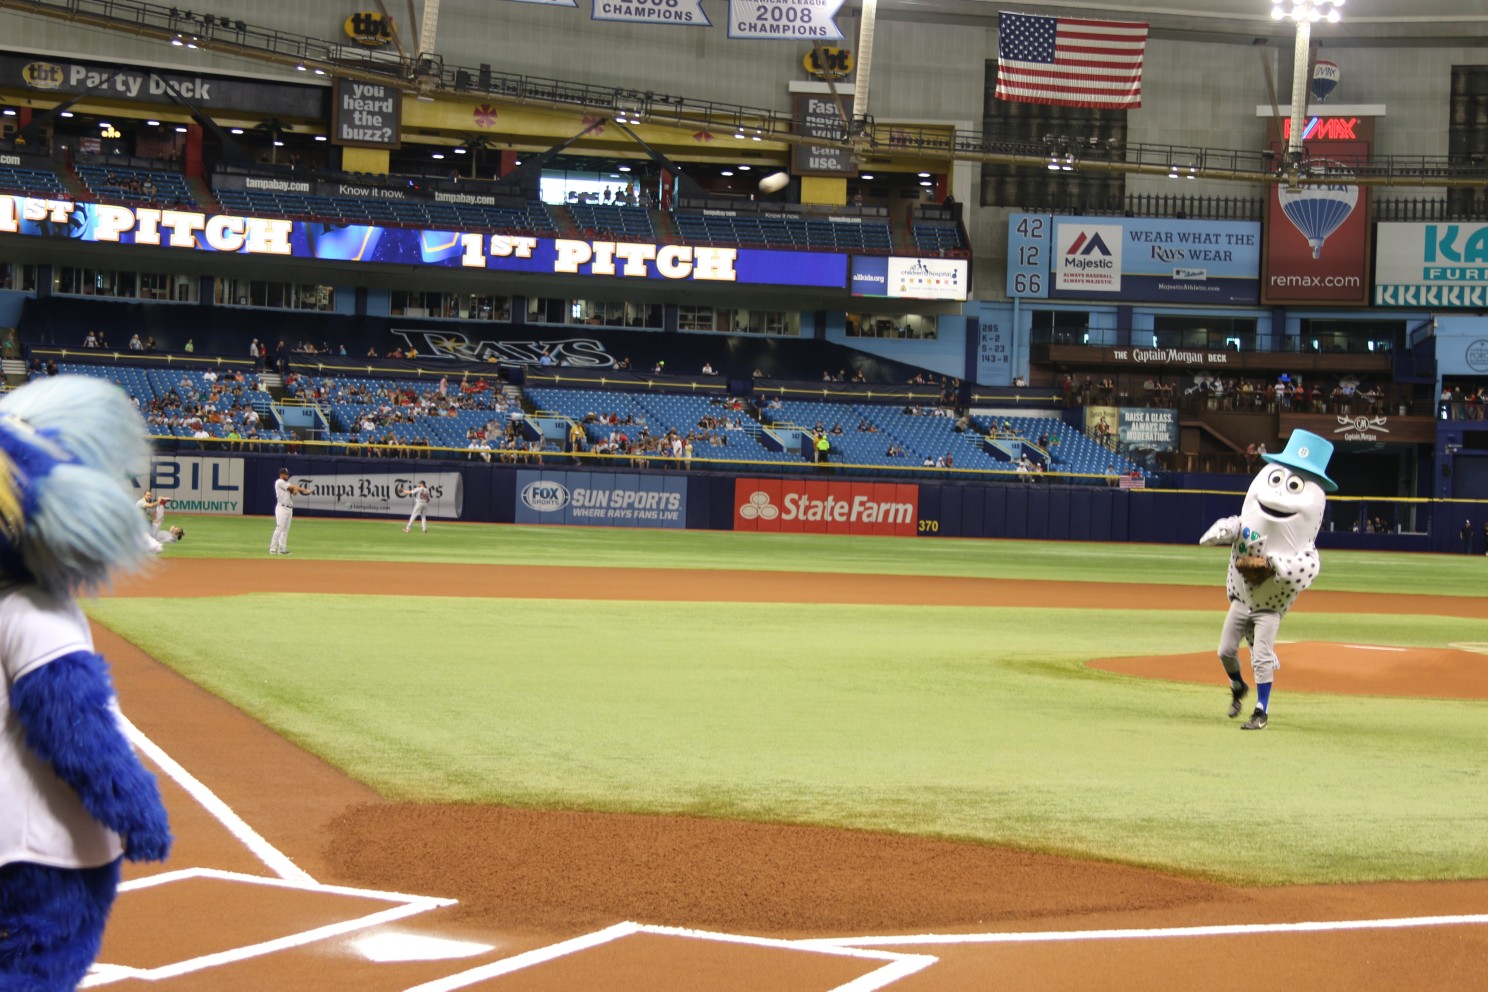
[1257, 720]
[1237, 695]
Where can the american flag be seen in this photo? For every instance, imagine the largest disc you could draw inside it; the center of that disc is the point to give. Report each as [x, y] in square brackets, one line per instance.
[1070, 61]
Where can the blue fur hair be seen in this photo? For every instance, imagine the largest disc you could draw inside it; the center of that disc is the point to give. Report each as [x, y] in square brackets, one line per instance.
[71, 442]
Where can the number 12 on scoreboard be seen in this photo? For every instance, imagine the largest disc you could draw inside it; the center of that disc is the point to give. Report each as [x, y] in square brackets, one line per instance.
[1030, 239]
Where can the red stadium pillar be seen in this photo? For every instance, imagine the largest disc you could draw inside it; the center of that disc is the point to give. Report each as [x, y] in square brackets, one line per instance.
[192, 158]
[508, 162]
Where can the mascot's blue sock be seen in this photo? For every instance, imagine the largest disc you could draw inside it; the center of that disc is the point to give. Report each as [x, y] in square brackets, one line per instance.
[1263, 696]
[54, 921]
[64, 708]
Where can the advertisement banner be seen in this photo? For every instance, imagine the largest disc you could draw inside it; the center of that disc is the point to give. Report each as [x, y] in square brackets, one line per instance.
[812, 506]
[1317, 236]
[910, 278]
[1145, 429]
[777, 20]
[366, 115]
[278, 237]
[683, 12]
[1431, 265]
[1142, 259]
[194, 483]
[818, 116]
[601, 499]
[381, 493]
[1087, 256]
[66, 77]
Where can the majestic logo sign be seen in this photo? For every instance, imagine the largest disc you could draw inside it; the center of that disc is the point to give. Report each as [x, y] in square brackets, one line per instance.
[1089, 257]
[826, 507]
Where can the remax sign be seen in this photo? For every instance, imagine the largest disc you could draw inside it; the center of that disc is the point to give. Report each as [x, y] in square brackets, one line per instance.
[821, 507]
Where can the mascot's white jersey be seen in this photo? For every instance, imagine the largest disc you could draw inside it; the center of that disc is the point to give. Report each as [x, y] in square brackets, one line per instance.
[41, 818]
[1280, 520]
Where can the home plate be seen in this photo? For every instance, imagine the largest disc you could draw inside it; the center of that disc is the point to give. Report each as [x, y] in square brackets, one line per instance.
[386, 947]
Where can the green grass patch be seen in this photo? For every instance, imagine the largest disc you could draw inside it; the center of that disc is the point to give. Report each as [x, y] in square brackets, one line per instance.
[384, 540]
[973, 723]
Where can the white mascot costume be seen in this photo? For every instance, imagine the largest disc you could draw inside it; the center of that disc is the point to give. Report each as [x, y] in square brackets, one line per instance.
[1272, 559]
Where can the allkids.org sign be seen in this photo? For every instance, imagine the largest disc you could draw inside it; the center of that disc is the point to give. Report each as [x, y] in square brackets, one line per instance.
[197, 231]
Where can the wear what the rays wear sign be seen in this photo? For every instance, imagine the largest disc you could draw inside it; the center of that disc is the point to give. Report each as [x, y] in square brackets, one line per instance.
[1071, 62]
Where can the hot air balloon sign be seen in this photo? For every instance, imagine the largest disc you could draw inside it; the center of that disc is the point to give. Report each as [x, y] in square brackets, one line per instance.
[1317, 210]
[1317, 232]
[1325, 78]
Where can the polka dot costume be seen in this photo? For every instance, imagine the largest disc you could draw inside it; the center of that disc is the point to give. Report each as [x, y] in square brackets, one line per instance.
[1279, 521]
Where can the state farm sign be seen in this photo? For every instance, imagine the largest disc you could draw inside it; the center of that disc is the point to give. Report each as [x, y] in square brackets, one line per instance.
[820, 507]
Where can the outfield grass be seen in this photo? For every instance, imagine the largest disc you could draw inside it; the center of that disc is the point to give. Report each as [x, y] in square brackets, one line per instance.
[619, 547]
[976, 723]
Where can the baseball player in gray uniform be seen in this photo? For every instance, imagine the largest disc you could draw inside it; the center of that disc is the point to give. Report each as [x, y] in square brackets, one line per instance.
[284, 494]
[421, 497]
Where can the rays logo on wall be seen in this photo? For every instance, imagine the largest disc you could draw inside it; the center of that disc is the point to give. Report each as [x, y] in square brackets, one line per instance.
[582, 353]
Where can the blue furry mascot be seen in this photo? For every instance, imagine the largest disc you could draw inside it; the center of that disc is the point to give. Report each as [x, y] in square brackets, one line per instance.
[73, 796]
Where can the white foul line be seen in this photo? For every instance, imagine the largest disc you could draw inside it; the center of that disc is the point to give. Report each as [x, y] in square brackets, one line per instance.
[274, 859]
[410, 906]
[896, 966]
[1371, 647]
[525, 960]
[1227, 930]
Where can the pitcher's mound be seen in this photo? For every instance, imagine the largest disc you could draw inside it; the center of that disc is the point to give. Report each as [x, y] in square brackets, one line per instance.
[1349, 669]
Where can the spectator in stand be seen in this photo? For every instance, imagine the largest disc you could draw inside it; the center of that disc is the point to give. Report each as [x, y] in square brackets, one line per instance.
[91, 341]
[1112, 479]
[135, 344]
[190, 346]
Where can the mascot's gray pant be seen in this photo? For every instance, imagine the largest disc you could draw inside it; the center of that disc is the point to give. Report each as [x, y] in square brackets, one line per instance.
[1257, 626]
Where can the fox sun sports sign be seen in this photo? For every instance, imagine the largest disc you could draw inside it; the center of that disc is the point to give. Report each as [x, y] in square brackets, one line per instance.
[811, 507]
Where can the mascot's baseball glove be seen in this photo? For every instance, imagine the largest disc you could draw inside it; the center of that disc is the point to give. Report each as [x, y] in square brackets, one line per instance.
[1255, 569]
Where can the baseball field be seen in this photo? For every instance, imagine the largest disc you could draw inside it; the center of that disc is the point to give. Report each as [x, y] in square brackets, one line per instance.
[823, 742]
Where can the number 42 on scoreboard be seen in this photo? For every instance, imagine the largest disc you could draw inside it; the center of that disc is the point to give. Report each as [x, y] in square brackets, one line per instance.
[1030, 240]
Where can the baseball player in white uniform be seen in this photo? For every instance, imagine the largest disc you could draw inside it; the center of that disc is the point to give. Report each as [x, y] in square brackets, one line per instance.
[157, 541]
[153, 509]
[284, 494]
[421, 497]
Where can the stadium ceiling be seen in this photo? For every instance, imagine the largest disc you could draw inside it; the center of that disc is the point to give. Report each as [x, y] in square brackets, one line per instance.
[1368, 22]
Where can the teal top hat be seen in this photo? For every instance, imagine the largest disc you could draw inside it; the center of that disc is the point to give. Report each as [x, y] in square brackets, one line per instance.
[1307, 452]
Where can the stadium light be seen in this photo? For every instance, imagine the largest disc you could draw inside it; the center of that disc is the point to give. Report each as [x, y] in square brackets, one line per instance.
[1305, 13]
